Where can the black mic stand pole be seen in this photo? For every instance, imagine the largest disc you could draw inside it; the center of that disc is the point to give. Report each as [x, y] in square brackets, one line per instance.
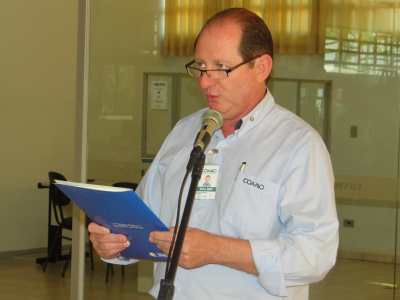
[167, 285]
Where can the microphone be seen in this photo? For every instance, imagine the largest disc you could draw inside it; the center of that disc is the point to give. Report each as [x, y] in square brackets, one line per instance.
[212, 121]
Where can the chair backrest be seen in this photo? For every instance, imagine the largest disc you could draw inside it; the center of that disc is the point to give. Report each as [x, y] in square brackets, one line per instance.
[124, 184]
[58, 198]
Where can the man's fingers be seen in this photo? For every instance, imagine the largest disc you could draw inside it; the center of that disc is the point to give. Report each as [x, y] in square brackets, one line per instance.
[106, 244]
[113, 247]
[95, 228]
[109, 253]
[109, 238]
[105, 248]
[160, 236]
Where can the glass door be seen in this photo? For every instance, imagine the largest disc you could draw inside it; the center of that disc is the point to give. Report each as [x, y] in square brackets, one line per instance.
[362, 133]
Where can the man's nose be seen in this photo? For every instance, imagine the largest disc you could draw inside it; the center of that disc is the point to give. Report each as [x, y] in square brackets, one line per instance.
[205, 81]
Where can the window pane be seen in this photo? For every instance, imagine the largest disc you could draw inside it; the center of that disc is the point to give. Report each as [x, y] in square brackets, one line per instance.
[332, 32]
[350, 46]
[350, 34]
[366, 59]
[367, 48]
[333, 68]
[332, 44]
[367, 36]
[350, 57]
[332, 56]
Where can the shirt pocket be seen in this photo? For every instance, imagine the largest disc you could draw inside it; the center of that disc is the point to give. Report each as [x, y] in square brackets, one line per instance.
[248, 210]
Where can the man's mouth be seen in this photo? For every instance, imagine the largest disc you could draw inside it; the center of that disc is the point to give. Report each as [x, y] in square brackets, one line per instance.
[211, 98]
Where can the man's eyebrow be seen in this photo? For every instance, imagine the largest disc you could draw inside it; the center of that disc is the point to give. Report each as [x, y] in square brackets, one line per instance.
[213, 62]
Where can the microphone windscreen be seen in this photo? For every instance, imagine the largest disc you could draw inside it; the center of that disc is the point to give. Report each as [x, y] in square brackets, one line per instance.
[213, 115]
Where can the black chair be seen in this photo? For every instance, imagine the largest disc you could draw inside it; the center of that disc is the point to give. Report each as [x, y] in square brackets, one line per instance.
[128, 185]
[59, 200]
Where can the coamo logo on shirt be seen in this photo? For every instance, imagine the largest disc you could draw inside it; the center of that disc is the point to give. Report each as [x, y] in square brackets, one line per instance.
[255, 184]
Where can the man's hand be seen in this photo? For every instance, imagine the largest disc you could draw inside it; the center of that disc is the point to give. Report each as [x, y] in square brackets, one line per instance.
[195, 249]
[106, 244]
[201, 248]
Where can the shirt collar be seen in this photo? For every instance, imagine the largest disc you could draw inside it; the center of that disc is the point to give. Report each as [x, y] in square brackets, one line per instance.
[238, 124]
[256, 115]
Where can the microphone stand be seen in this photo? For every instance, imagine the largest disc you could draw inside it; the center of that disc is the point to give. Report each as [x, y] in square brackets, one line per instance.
[167, 288]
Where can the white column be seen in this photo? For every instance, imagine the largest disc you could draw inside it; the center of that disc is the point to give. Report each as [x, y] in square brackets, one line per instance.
[82, 74]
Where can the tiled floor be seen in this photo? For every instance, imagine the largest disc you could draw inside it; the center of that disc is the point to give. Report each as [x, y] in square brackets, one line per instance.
[354, 279]
[22, 278]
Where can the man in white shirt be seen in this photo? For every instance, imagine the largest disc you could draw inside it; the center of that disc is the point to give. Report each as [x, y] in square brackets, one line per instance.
[269, 230]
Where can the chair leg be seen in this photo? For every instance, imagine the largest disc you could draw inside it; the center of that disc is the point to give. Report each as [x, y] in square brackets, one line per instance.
[66, 263]
[109, 266]
[51, 250]
[91, 255]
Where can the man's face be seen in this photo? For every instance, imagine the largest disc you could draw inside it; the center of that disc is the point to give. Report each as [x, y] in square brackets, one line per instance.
[235, 96]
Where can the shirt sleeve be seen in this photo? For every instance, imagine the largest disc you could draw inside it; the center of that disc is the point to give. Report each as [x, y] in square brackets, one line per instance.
[306, 248]
[119, 261]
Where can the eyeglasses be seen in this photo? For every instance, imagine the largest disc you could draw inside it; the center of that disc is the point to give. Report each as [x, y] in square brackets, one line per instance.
[213, 74]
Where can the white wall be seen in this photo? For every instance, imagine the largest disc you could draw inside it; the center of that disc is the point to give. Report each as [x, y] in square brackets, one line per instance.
[37, 112]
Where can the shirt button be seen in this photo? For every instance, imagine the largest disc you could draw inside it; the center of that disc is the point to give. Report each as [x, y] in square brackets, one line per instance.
[201, 216]
[179, 288]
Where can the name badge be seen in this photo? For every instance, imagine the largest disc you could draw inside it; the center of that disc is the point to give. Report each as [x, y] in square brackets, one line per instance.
[207, 187]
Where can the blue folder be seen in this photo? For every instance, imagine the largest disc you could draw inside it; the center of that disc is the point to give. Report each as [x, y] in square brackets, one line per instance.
[120, 210]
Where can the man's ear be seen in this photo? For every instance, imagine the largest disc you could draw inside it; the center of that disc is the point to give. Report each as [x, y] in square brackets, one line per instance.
[264, 67]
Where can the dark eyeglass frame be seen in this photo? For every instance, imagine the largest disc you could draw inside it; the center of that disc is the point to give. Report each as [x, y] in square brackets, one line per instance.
[209, 76]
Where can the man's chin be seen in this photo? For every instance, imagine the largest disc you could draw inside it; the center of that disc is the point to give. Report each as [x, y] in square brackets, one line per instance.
[213, 105]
